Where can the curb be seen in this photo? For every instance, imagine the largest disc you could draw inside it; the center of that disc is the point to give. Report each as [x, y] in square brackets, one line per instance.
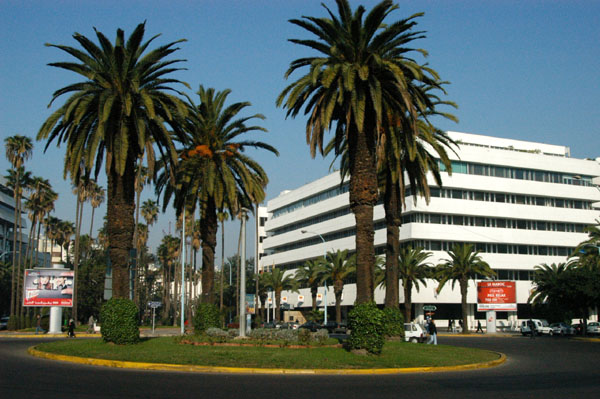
[241, 370]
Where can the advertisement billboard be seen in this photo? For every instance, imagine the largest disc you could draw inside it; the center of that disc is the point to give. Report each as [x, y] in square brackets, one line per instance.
[496, 295]
[48, 287]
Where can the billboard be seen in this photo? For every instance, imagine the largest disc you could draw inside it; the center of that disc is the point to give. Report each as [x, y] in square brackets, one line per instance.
[496, 295]
[250, 306]
[48, 287]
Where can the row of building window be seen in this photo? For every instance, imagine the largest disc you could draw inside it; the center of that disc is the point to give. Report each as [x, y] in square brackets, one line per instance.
[496, 248]
[460, 220]
[481, 170]
[517, 173]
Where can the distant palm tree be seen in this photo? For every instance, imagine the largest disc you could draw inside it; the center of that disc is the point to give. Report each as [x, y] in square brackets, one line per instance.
[18, 150]
[121, 110]
[215, 171]
[413, 271]
[338, 268]
[97, 195]
[310, 275]
[545, 281]
[40, 202]
[464, 264]
[361, 77]
[278, 281]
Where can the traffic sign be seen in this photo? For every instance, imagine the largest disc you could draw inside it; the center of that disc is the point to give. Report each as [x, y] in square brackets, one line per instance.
[429, 308]
[154, 305]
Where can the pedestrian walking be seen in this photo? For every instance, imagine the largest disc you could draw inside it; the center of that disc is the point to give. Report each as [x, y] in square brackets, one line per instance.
[71, 329]
[450, 325]
[479, 329]
[532, 328]
[460, 323]
[91, 322]
[38, 324]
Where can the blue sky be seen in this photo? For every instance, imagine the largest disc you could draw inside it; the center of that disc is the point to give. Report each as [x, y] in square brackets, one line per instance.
[518, 69]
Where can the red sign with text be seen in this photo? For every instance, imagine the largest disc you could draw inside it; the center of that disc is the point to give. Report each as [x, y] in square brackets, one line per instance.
[496, 295]
[48, 287]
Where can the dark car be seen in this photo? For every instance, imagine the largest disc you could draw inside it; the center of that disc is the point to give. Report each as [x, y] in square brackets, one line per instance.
[334, 327]
[4, 323]
[269, 324]
[312, 326]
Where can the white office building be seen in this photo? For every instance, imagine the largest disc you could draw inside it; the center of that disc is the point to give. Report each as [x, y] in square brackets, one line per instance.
[520, 203]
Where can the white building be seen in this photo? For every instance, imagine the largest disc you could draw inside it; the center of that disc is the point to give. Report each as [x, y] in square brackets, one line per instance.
[520, 203]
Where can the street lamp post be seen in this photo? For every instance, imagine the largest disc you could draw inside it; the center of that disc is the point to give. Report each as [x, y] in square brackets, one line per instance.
[324, 259]
[242, 320]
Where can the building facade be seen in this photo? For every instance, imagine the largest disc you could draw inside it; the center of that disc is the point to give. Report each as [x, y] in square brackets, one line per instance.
[520, 203]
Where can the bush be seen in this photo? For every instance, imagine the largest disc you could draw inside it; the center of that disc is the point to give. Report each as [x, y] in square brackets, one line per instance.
[304, 336]
[119, 322]
[207, 316]
[393, 323]
[366, 322]
[321, 336]
[216, 335]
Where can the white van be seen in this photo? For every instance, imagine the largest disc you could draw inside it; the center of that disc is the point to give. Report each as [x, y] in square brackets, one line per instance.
[541, 327]
[414, 333]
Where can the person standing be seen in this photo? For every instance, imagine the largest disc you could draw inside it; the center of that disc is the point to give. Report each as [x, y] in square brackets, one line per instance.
[532, 329]
[432, 332]
[91, 322]
[38, 324]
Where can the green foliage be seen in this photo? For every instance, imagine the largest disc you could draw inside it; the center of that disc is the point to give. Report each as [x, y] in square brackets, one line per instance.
[304, 336]
[207, 316]
[13, 323]
[393, 322]
[366, 322]
[216, 335]
[119, 322]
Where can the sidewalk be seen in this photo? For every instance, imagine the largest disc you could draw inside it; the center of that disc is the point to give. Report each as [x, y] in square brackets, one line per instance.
[144, 332]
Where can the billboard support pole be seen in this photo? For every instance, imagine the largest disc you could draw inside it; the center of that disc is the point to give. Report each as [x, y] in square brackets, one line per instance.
[55, 313]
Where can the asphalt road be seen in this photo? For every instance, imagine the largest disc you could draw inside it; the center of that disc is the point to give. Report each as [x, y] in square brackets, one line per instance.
[541, 368]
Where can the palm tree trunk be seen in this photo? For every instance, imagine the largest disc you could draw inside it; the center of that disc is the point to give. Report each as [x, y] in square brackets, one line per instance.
[313, 294]
[120, 226]
[338, 288]
[92, 224]
[392, 219]
[363, 197]
[222, 264]
[208, 235]
[463, 305]
[77, 251]
[407, 286]
[13, 290]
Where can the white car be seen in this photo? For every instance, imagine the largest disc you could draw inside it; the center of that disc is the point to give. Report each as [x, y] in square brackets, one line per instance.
[593, 327]
[541, 327]
[414, 333]
[562, 329]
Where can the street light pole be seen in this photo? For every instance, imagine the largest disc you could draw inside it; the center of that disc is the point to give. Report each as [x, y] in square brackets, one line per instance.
[242, 320]
[325, 260]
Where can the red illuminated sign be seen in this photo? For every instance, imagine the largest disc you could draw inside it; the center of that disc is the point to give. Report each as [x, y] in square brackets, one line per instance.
[496, 295]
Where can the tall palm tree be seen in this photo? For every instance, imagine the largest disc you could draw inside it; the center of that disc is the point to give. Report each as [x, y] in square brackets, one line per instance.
[546, 281]
[65, 230]
[120, 111]
[278, 281]
[215, 171]
[18, 180]
[464, 264]
[18, 150]
[360, 79]
[413, 271]
[310, 275]
[339, 267]
[168, 252]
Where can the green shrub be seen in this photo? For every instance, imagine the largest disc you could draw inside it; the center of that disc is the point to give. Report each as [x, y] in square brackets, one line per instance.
[304, 336]
[393, 323]
[119, 322]
[216, 335]
[366, 323]
[207, 316]
[321, 336]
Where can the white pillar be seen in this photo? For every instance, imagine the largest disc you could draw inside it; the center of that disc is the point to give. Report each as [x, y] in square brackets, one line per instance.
[490, 321]
[56, 312]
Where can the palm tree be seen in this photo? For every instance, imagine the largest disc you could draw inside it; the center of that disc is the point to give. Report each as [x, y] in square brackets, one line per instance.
[97, 194]
[413, 271]
[18, 150]
[18, 180]
[215, 170]
[339, 267]
[464, 264]
[279, 281]
[360, 79]
[546, 282]
[310, 275]
[167, 253]
[65, 230]
[40, 203]
[121, 109]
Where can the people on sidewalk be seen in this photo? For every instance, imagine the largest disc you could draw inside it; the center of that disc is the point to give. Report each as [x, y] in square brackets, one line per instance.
[432, 330]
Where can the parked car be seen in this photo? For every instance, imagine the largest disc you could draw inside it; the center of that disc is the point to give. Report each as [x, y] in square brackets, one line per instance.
[593, 327]
[541, 327]
[290, 325]
[312, 326]
[561, 329]
[269, 324]
[578, 327]
[414, 333]
[334, 327]
[4, 323]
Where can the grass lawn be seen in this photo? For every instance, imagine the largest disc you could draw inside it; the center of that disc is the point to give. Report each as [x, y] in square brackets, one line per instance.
[168, 350]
